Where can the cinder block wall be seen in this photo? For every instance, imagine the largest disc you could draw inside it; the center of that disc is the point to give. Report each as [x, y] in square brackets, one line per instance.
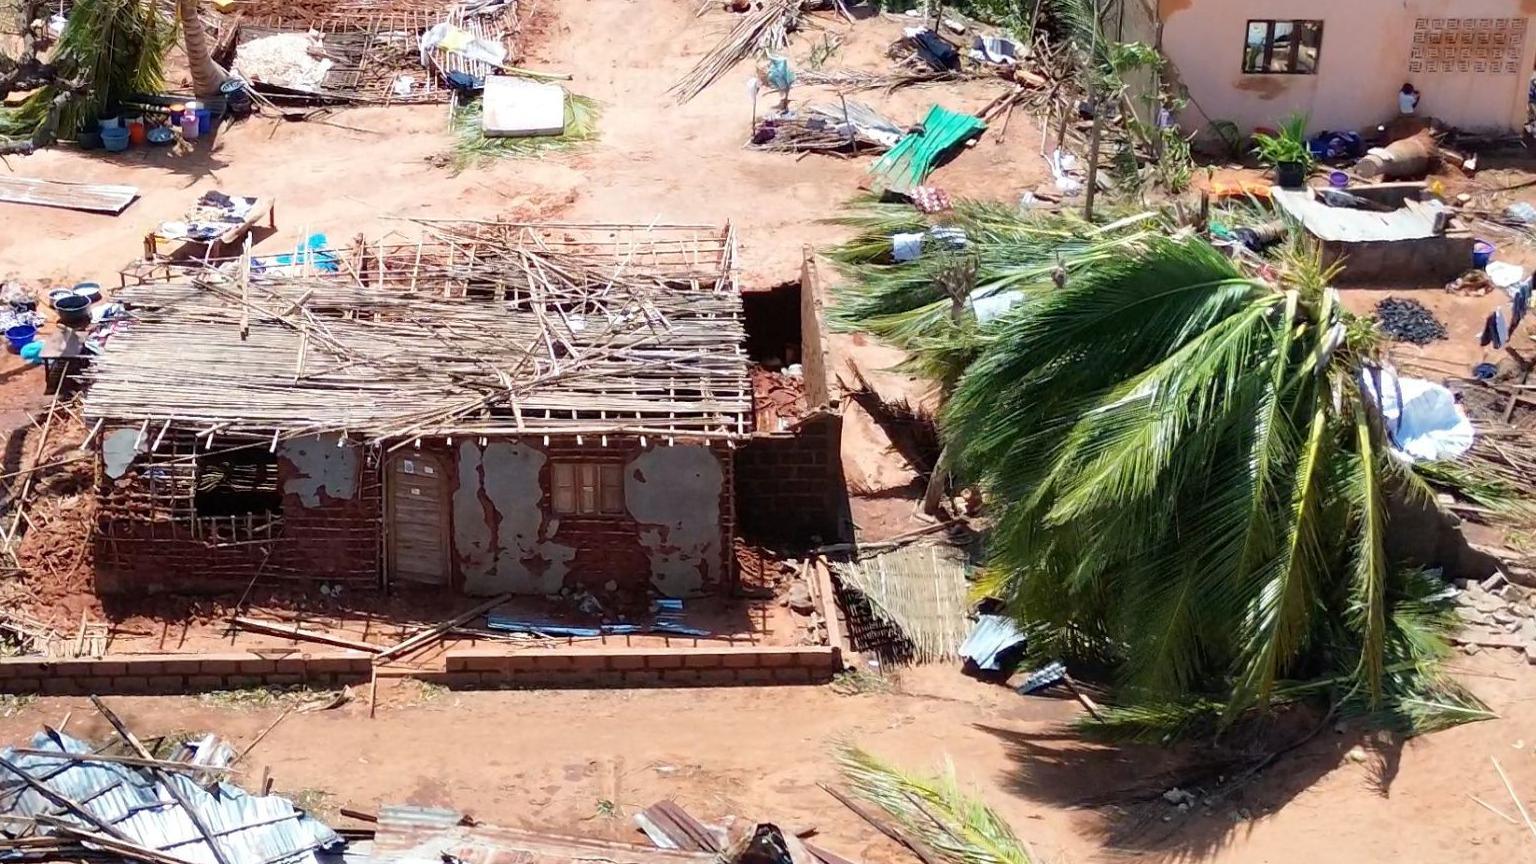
[789, 486]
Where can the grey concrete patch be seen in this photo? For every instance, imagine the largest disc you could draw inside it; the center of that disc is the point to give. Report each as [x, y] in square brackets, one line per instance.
[118, 451]
[674, 493]
[320, 466]
[502, 548]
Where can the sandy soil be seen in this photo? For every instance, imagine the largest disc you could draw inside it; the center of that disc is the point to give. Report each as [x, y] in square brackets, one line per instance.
[656, 160]
[760, 753]
[754, 753]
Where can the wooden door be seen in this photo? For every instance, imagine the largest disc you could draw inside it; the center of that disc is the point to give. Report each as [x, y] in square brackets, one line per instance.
[418, 519]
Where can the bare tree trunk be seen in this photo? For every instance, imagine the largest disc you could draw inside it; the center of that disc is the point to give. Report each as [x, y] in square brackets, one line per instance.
[206, 75]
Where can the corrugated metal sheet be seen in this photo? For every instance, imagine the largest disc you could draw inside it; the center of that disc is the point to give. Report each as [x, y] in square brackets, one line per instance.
[71, 196]
[992, 635]
[417, 835]
[248, 829]
[1410, 222]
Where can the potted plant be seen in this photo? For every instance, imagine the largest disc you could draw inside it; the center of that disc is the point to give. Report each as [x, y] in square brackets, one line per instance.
[1287, 152]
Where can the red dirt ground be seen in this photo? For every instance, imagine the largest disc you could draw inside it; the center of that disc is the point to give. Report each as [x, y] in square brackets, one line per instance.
[547, 759]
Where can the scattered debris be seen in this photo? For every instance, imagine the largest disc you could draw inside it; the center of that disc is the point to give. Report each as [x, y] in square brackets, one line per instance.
[118, 804]
[1409, 321]
[765, 29]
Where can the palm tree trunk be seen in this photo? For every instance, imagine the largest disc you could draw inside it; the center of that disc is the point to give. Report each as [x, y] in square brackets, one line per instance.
[938, 483]
[206, 75]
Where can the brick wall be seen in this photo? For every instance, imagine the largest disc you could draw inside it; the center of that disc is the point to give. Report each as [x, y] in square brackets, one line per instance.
[150, 538]
[170, 674]
[465, 668]
[661, 667]
[164, 674]
[789, 485]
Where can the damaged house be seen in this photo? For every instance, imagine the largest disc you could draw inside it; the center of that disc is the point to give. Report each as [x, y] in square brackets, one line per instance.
[493, 408]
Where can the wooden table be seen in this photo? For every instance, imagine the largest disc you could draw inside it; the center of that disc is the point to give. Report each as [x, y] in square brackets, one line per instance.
[265, 207]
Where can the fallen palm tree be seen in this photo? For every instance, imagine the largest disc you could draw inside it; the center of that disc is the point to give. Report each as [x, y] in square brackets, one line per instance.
[1191, 481]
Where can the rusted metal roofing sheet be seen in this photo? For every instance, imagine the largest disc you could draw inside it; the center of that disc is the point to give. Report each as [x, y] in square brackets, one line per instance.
[417, 835]
[671, 827]
[249, 829]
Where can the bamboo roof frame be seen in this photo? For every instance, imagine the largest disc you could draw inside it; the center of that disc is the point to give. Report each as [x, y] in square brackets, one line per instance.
[472, 329]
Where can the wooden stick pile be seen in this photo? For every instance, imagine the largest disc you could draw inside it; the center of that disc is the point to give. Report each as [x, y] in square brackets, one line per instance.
[765, 29]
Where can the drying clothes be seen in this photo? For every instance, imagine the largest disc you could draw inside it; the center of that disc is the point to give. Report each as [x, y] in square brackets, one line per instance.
[1495, 330]
[1518, 306]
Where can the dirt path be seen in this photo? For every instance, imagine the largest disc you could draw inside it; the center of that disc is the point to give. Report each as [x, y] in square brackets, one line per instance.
[547, 760]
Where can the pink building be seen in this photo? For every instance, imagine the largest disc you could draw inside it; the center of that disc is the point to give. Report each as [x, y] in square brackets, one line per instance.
[1254, 62]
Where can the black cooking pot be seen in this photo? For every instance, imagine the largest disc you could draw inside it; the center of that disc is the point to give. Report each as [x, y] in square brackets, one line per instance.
[74, 310]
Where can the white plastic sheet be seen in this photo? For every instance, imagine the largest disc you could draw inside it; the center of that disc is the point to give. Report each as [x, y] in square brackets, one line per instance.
[1422, 417]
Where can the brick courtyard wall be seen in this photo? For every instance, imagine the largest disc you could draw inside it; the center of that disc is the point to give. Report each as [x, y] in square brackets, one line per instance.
[464, 668]
[165, 674]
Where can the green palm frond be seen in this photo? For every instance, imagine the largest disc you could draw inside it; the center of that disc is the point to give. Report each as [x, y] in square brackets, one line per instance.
[935, 810]
[472, 148]
[115, 48]
[1187, 479]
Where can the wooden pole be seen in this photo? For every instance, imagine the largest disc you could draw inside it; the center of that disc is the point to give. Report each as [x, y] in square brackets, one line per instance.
[1094, 141]
[181, 800]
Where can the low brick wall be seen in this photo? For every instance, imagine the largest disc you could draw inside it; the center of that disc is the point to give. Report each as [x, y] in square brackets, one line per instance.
[171, 674]
[166, 674]
[639, 667]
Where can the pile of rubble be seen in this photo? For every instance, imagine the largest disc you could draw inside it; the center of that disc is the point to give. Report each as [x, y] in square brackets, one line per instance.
[1497, 614]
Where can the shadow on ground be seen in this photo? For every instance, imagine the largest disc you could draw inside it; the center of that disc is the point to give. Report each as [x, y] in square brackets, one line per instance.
[1229, 787]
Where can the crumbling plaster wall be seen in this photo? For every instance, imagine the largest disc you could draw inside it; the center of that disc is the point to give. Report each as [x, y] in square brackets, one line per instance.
[319, 465]
[499, 522]
[507, 539]
[674, 494]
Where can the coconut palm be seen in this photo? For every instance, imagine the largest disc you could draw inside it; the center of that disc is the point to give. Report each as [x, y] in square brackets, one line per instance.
[206, 74]
[109, 49]
[1190, 485]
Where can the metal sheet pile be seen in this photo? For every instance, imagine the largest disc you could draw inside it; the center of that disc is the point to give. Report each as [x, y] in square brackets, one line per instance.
[92, 804]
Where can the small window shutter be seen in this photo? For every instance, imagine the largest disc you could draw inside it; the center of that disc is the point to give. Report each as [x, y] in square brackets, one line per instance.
[565, 487]
[588, 487]
[613, 488]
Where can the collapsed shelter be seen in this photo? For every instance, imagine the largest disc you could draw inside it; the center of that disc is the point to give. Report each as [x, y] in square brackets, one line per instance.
[495, 407]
